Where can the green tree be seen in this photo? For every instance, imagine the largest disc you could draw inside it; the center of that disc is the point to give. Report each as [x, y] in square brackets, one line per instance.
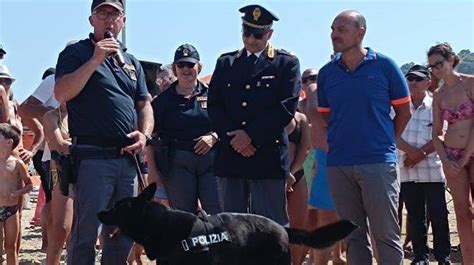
[406, 67]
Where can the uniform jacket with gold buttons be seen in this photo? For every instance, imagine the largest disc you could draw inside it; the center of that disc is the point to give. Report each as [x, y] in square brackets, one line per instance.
[259, 98]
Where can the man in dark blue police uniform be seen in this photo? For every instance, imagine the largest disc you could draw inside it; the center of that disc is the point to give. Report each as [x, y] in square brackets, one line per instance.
[253, 95]
[110, 118]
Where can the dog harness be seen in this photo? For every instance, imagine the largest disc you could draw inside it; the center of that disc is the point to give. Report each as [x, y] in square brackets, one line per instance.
[208, 230]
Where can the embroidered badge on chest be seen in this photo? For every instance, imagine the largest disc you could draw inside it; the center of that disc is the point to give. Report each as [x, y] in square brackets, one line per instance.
[203, 101]
[131, 71]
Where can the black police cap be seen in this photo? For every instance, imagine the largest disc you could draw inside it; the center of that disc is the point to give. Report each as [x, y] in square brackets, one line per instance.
[419, 70]
[186, 53]
[48, 72]
[2, 51]
[257, 18]
[114, 3]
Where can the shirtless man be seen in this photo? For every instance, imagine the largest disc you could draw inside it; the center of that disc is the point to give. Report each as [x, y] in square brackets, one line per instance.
[13, 174]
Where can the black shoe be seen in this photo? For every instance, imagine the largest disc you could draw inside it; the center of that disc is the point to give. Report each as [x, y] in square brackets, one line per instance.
[420, 262]
[447, 262]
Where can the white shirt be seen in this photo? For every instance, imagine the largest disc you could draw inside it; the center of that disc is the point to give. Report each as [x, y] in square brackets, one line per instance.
[45, 92]
[256, 54]
[418, 133]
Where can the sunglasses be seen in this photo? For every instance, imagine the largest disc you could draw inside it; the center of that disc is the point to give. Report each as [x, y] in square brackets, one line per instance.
[309, 78]
[415, 78]
[436, 65]
[257, 36]
[181, 65]
[6, 81]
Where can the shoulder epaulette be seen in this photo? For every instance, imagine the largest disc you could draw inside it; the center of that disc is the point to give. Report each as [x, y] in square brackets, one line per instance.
[285, 52]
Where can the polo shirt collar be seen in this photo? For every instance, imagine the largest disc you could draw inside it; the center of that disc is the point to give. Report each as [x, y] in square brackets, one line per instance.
[371, 55]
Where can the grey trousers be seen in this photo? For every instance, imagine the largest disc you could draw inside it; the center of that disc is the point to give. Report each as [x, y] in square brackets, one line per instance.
[368, 194]
[266, 197]
[100, 182]
[191, 178]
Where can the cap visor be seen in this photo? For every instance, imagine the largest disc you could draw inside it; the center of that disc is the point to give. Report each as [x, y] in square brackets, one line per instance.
[115, 5]
[420, 74]
[254, 30]
[187, 59]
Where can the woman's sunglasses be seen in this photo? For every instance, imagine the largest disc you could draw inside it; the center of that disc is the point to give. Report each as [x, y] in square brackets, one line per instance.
[6, 81]
[309, 78]
[185, 64]
[436, 65]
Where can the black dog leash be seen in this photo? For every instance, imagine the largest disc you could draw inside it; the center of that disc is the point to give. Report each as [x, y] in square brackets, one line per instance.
[141, 179]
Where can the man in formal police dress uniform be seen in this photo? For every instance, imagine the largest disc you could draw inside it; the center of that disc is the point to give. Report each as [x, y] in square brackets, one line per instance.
[252, 96]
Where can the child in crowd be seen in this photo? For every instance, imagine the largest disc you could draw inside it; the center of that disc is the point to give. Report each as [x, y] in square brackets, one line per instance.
[14, 182]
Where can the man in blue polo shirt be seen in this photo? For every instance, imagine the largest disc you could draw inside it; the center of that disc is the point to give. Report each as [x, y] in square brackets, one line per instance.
[110, 119]
[355, 93]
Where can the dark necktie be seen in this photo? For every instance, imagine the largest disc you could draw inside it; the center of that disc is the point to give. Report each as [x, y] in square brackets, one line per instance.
[252, 58]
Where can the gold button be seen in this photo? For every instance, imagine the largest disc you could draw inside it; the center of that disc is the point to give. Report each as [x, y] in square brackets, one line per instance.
[276, 141]
[247, 87]
[244, 123]
[268, 85]
[244, 104]
[228, 85]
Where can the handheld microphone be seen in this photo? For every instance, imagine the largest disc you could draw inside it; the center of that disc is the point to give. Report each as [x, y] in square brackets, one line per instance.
[118, 55]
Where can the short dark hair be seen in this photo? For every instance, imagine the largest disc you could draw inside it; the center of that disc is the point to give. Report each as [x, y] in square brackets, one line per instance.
[9, 131]
[444, 49]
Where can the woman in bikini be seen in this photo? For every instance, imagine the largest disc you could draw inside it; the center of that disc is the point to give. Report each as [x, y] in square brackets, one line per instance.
[454, 103]
[299, 137]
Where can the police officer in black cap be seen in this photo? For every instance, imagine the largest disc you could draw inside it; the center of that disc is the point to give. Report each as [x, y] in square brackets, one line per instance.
[110, 120]
[253, 95]
[184, 153]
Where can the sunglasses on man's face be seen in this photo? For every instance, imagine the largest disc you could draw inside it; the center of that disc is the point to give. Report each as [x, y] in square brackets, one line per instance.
[309, 78]
[257, 36]
[438, 65]
[6, 81]
[415, 78]
[185, 64]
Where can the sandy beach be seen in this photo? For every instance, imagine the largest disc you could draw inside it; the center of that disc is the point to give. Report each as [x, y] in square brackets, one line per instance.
[31, 253]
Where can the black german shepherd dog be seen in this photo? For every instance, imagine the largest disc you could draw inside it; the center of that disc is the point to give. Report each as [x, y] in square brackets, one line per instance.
[180, 238]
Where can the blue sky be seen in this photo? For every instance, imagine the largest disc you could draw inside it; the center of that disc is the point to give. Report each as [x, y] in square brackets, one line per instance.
[34, 31]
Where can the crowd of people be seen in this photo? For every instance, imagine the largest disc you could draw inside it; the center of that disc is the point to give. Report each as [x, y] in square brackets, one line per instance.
[354, 140]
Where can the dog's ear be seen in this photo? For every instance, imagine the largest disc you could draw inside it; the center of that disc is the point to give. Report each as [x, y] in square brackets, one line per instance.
[149, 192]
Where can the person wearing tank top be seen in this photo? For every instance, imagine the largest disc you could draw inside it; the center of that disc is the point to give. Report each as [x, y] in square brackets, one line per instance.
[454, 102]
[57, 136]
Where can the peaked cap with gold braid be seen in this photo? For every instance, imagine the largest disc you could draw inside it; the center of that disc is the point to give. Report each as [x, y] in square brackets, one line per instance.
[257, 19]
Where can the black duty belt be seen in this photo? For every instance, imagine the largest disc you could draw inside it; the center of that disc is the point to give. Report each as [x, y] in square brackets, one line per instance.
[102, 141]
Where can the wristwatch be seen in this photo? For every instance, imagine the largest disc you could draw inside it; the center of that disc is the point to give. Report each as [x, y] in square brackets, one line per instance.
[148, 138]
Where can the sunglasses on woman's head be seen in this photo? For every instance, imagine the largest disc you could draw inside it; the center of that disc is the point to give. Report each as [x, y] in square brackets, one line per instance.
[185, 64]
[309, 78]
[257, 36]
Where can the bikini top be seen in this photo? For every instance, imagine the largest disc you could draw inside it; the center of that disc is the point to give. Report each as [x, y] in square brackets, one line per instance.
[463, 112]
[295, 135]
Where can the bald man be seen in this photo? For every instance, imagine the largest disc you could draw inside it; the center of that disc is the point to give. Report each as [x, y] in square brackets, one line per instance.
[356, 91]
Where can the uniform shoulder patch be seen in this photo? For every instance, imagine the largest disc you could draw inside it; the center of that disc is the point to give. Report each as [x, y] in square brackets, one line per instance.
[285, 52]
[230, 53]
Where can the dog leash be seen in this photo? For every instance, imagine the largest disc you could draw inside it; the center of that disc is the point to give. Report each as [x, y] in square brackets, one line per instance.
[141, 179]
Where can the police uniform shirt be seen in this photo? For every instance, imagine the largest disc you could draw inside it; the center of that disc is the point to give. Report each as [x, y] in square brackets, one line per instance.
[179, 117]
[105, 107]
[260, 99]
